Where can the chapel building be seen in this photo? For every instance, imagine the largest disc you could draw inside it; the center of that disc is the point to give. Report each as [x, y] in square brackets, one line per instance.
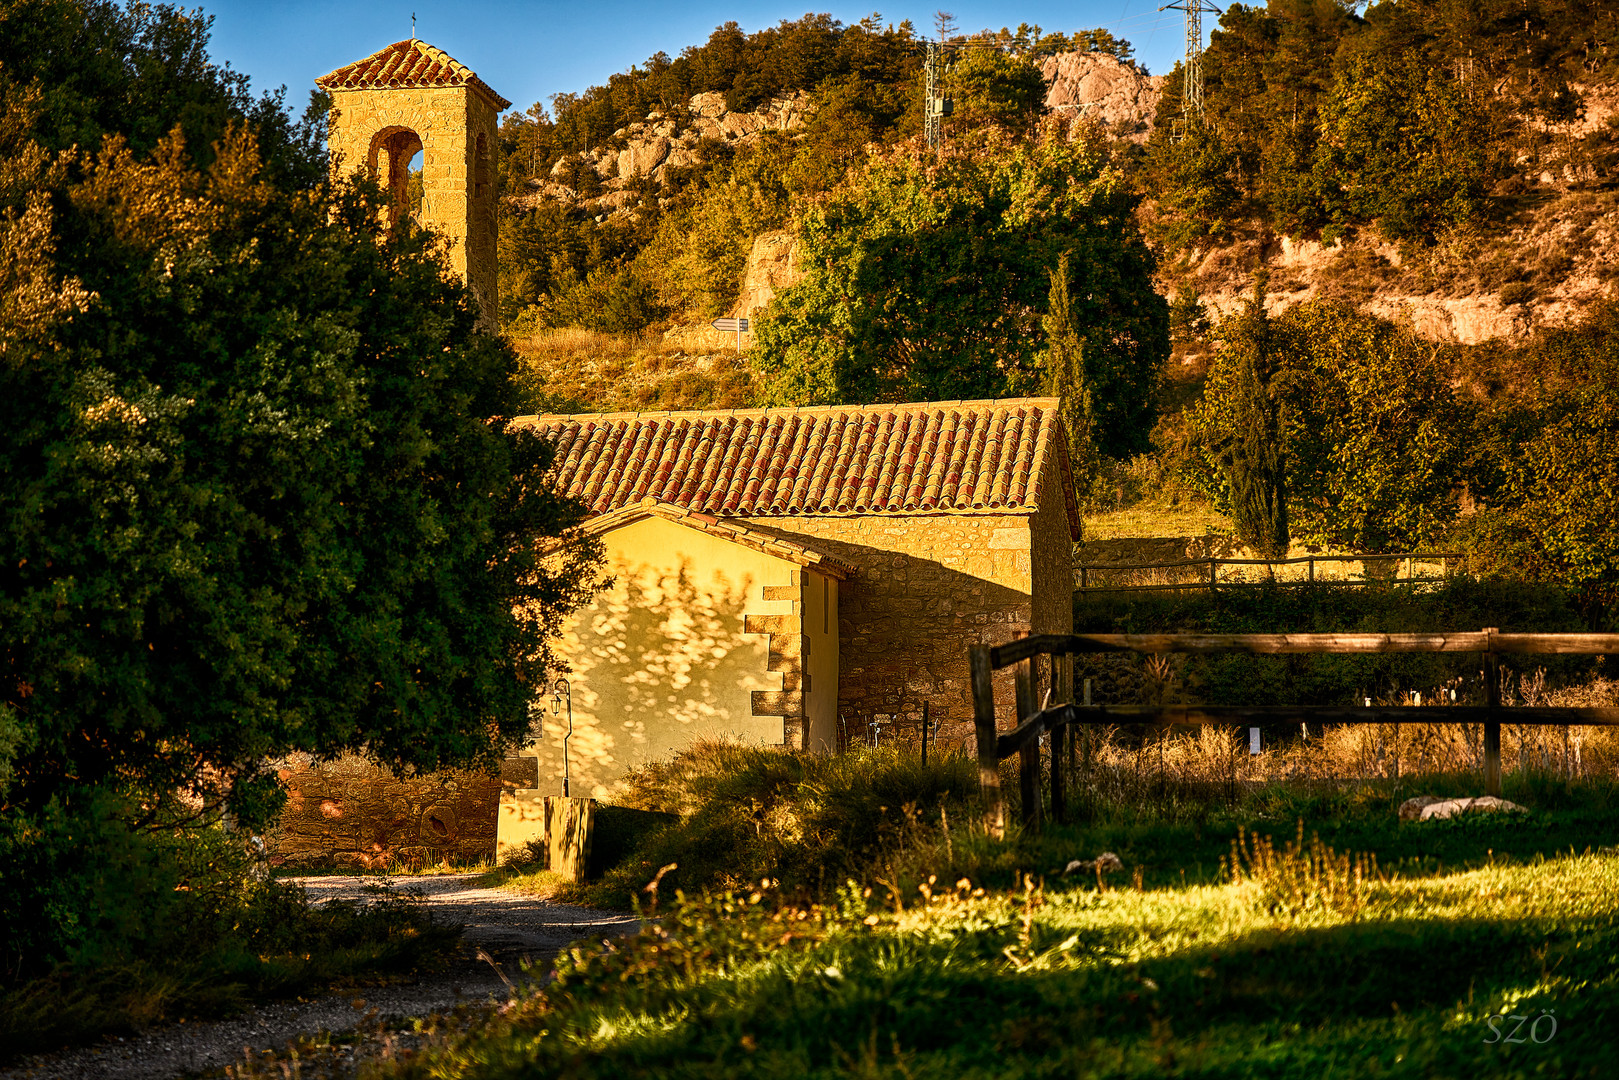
[801, 577]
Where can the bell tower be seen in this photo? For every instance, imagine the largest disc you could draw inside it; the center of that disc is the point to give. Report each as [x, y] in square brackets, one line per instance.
[410, 98]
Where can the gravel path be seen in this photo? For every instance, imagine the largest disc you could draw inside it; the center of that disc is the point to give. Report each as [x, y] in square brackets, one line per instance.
[507, 926]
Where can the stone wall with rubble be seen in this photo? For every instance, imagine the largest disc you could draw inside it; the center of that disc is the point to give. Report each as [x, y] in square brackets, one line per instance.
[925, 588]
[349, 812]
[458, 132]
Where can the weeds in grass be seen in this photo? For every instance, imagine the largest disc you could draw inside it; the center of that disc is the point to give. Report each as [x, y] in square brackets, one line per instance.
[1026, 982]
[1300, 879]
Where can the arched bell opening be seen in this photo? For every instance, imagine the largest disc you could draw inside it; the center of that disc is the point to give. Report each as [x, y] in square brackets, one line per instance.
[395, 161]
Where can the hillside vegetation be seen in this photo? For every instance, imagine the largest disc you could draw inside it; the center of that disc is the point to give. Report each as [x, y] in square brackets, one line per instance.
[1387, 245]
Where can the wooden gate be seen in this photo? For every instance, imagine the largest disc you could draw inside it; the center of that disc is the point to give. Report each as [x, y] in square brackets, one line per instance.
[1037, 714]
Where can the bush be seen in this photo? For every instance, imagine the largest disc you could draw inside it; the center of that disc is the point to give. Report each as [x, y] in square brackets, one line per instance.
[109, 929]
[807, 820]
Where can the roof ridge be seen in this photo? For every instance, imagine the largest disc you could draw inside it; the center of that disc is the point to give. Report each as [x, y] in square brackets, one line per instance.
[405, 64]
[783, 410]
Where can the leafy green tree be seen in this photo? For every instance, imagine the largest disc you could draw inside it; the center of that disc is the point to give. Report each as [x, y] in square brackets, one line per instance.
[989, 85]
[261, 494]
[927, 280]
[1191, 174]
[1549, 492]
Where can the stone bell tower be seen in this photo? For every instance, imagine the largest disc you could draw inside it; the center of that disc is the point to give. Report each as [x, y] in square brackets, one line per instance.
[412, 97]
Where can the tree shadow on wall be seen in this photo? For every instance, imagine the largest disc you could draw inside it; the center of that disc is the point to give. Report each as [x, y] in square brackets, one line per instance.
[660, 661]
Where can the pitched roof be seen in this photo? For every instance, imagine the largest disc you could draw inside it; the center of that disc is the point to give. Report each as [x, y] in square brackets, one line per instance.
[734, 531]
[940, 457]
[406, 64]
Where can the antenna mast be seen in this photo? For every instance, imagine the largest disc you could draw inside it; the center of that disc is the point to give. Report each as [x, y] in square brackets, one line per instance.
[1192, 72]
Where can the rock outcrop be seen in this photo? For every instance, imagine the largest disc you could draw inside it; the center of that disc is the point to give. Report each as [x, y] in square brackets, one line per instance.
[647, 148]
[1099, 87]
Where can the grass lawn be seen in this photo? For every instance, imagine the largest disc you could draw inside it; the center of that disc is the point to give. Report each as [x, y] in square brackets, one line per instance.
[1485, 946]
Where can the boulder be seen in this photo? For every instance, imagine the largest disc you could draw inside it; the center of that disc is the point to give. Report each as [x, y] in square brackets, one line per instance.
[642, 156]
[708, 105]
[1433, 808]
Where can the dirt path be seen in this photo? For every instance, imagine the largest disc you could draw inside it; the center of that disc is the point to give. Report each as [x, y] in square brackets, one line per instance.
[507, 926]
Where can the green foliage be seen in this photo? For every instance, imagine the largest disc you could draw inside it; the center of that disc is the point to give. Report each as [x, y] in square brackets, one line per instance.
[1067, 379]
[924, 280]
[261, 495]
[807, 820]
[1188, 318]
[1402, 120]
[988, 84]
[1246, 437]
[869, 60]
[1404, 146]
[1373, 435]
[180, 924]
[1190, 176]
[1552, 482]
[940, 977]
[98, 67]
[696, 260]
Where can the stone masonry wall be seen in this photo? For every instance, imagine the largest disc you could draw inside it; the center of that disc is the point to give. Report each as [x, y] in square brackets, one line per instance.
[925, 589]
[351, 812]
[1053, 548]
[458, 170]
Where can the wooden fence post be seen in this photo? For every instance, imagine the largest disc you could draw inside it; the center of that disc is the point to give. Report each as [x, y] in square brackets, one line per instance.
[1059, 785]
[1492, 727]
[1029, 755]
[989, 763]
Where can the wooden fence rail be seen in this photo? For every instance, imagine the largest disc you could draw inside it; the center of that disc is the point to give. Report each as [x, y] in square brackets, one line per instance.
[1083, 574]
[1059, 719]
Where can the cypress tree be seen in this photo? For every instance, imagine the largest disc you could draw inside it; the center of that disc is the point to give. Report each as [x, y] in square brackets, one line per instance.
[1254, 459]
[1064, 362]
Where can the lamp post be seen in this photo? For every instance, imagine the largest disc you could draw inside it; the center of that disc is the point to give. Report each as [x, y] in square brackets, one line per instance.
[562, 694]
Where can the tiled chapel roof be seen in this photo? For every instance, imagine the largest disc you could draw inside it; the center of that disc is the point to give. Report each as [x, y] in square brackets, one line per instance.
[406, 64]
[941, 457]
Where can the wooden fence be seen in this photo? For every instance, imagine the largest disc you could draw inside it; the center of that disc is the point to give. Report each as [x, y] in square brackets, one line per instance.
[1205, 573]
[1053, 682]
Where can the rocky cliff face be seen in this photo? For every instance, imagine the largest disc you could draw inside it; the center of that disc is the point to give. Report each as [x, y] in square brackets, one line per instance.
[648, 148]
[1098, 87]
[1546, 268]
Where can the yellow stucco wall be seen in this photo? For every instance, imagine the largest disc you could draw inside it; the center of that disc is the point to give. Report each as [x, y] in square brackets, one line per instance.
[663, 657]
[458, 184]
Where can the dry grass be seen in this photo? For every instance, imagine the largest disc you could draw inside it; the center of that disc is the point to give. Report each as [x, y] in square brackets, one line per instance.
[576, 370]
[1215, 758]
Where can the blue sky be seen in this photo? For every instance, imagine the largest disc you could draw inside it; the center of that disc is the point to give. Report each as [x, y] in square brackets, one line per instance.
[529, 51]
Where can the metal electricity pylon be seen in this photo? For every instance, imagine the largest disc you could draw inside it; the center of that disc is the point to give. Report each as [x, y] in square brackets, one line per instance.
[1192, 72]
[938, 106]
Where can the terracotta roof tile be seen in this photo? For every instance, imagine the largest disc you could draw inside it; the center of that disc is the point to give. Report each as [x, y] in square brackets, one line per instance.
[407, 64]
[926, 458]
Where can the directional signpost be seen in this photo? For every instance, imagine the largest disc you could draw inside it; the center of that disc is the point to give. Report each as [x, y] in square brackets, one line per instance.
[739, 325]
